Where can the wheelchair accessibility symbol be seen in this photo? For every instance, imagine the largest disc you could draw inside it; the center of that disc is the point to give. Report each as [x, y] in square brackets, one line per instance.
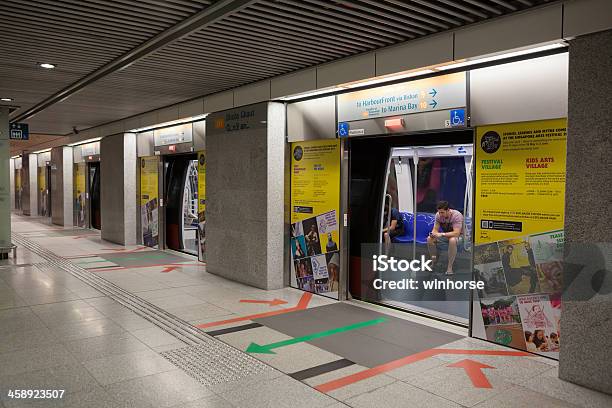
[343, 129]
[457, 117]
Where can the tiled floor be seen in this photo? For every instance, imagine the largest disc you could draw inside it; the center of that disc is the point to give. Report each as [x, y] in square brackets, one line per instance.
[57, 332]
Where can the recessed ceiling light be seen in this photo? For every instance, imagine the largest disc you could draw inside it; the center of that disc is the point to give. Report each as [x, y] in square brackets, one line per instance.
[6, 99]
[46, 65]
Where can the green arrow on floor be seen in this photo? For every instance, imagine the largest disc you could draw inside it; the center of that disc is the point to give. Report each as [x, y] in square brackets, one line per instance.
[267, 349]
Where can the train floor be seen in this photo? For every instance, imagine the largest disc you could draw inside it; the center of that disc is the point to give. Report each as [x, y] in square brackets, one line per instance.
[118, 326]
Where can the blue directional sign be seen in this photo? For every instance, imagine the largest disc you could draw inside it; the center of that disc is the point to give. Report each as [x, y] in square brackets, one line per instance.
[19, 131]
[457, 117]
[343, 129]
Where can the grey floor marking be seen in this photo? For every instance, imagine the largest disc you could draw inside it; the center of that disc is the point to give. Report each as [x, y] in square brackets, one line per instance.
[321, 369]
[234, 329]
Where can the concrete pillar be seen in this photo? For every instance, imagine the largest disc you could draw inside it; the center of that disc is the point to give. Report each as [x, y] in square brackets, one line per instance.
[61, 186]
[585, 321]
[245, 166]
[5, 195]
[118, 188]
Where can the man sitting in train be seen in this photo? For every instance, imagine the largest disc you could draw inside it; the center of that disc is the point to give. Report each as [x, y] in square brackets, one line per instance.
[446, 232]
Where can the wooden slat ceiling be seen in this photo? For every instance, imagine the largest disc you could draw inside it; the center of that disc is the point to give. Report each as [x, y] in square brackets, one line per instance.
[264, 39]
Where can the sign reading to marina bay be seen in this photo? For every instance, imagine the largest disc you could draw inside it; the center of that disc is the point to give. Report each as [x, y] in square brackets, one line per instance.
[424, 95]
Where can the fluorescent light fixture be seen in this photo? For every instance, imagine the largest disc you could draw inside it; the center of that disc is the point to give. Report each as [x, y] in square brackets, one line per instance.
[81, 142]
[501, 56]
[357, 84]
[6, 99]
[42, 151]
[46, 65]
[16, 157]
[312, 93]
[168, 124]
[390, 78]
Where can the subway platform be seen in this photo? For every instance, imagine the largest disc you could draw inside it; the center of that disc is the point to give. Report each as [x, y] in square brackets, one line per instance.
[115, 326]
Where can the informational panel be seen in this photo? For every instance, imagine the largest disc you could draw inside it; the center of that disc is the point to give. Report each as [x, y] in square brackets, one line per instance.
[43, 193]
[80, 194]
[149, 200]
[173, 135]
[18, 188]
[202, 206]
[519, 207]
[424, 95]
[315, 209]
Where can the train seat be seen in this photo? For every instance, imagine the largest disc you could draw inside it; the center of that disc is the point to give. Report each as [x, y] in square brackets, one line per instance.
[406, 237]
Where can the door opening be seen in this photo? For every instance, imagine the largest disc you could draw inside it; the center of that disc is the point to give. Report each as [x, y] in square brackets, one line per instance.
[396, 184]
[181, 198]
[48, 192]
[95, 215]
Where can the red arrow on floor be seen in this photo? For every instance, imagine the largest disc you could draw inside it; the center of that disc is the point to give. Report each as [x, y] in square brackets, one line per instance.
[474, 370]
[274, 302]
[170, 269]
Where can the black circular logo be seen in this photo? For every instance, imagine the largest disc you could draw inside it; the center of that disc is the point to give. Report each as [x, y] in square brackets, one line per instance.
[490, 142]
[202, 160]
[298, 153]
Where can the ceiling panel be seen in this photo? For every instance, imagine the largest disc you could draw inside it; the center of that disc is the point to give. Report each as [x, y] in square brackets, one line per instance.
[262, 40]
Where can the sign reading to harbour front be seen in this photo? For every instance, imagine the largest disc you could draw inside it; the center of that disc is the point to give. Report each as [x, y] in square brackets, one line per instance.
[425, 95]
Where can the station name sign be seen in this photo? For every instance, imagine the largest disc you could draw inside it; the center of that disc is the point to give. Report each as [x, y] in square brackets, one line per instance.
[240, 119]
[425, 95]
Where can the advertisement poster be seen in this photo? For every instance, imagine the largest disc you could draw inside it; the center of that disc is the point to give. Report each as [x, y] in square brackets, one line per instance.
[80, 192]
[149, 200]
[315, 209]
[18, 189]
[540, 317]
[518, 163]
[519, 207]
[202, 205]
[43, 198]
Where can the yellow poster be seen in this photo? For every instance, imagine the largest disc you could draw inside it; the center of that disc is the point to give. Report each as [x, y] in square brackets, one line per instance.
[80, 192]
[149, 200]
[42, 181]
[18, 189]
[315, 211]
[42, 191]
[520, 179]
[202, 204]
[519, 215]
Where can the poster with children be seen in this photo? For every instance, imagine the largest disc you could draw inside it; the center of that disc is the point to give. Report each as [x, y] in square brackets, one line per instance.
[540, 319]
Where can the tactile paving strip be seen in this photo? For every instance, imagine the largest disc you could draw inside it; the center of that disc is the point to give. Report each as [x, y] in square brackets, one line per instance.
[215, 363]
[208, 360]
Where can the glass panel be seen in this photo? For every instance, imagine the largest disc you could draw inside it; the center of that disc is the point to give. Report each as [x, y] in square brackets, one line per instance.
[190, 209]
[434, 179]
